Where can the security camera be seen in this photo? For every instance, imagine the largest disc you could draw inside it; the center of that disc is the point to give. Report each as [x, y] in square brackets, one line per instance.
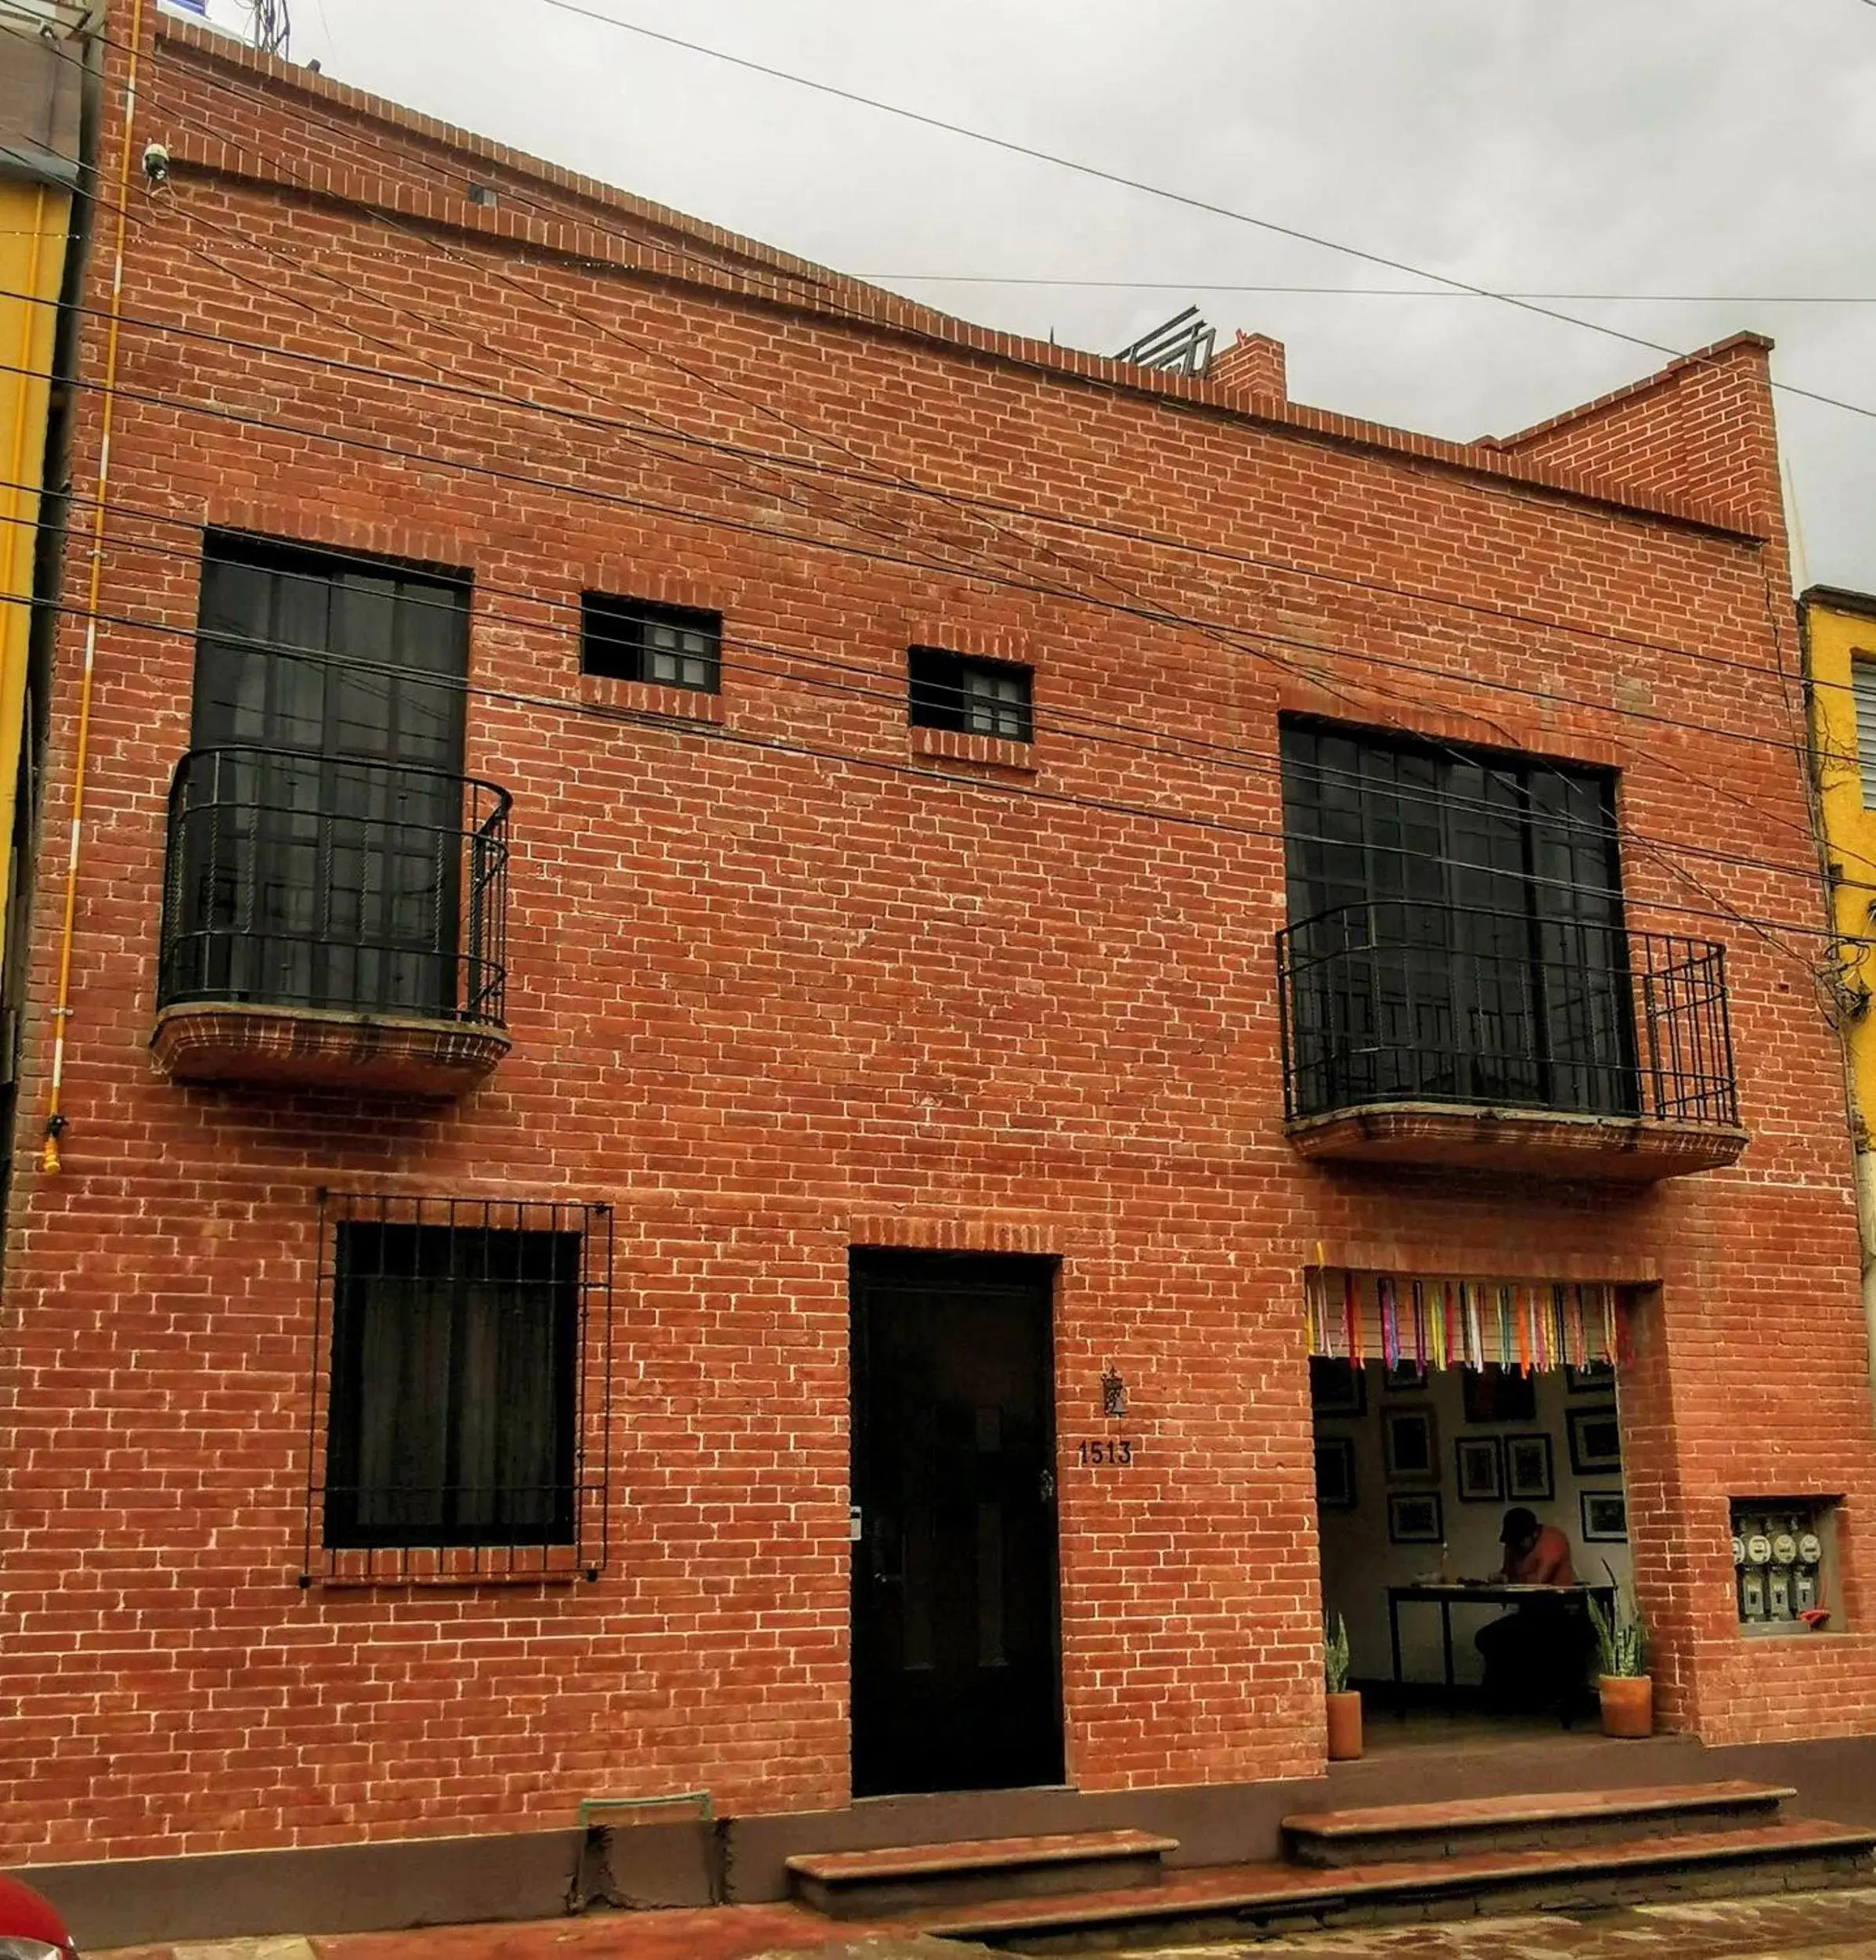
[156, 164]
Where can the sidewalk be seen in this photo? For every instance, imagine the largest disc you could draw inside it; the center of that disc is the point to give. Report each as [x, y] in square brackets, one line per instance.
[1825, 1925]
[718, 1932]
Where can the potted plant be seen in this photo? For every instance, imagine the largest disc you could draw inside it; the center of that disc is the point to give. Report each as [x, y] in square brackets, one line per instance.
[1344, 1704]
[1626, 1692]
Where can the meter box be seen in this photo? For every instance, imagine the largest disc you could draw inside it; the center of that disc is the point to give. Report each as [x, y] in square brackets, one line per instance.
[1782, 1564]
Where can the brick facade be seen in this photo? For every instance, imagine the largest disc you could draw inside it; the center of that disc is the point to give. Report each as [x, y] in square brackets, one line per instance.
[786, 977]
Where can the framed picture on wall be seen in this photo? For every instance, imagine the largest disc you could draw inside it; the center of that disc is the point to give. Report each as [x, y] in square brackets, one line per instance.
[1605, 1516]
[1335, 1473]
[1409, 1447]
[1336, 1387]
[1413, 1517]
[1596, 1441]
[1482, 1477]
[1405, 1378]
[1595, 1378]
[1529, 1474]
[1493, 1394]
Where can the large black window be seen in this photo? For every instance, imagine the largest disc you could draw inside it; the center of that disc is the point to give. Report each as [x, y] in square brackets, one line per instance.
[325, 848]
[1456, 928]
[973, 697]
[454, 1363]
[668, 646]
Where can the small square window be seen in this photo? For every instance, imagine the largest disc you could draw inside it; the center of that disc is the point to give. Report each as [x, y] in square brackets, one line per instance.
[972, 697]
[667, 646]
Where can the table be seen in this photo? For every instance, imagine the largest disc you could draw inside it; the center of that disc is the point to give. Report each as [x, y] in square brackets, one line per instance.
[1445, 1597]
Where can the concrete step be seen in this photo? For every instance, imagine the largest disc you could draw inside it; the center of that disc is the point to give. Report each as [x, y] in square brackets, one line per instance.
[1550, 1821]
[902, 1879]
[1233, 1900]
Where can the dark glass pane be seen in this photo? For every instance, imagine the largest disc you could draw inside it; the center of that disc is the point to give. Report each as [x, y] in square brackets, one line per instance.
[454, 1360]
[1456, 928]
[319, 849]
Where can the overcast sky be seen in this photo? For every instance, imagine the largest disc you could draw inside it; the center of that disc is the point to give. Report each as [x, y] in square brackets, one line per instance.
[1630, 147]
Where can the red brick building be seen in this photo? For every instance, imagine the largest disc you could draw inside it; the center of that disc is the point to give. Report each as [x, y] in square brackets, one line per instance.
[679, 1163]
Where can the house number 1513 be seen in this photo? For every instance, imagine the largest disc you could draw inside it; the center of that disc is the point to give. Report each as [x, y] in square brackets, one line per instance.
[1106, 1450]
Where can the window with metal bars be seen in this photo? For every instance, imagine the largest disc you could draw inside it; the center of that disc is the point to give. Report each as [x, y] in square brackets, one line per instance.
[970, 696]
[326, 849]
[668, 646]
[461, 1389]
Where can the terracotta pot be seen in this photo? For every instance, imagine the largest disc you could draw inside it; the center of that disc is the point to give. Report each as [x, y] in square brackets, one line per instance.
[1628, 1705]
[1345, 1726]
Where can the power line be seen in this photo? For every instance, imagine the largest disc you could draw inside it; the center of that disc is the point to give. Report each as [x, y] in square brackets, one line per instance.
[1067, 722]
[867, 473]
[1205, 285]
[1376, 692]
[710, 733]
[1205, 205]
[1243, 639]
[1222, 634]
[1382, 694]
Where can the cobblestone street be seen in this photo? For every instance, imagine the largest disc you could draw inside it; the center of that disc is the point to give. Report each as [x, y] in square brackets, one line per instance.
[1824, 1925]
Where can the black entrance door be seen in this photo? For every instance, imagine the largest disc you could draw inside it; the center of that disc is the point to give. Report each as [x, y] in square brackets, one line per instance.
[956, 1680]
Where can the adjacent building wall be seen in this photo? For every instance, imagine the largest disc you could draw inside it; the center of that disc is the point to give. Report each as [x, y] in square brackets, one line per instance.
[42, 85]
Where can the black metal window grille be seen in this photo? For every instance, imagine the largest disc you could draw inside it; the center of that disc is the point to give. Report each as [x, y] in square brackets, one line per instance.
[635, 640]
[325, 849]
[1457, 936]
[971, 697]
[461, 1395]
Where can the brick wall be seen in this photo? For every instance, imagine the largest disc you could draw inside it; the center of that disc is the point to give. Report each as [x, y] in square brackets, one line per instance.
[784, 980]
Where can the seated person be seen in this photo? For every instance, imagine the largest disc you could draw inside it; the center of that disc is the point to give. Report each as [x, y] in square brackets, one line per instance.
[1534, 1655]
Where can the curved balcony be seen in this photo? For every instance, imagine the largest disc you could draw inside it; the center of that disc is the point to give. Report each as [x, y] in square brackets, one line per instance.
[331, 923]
[1419, 1032]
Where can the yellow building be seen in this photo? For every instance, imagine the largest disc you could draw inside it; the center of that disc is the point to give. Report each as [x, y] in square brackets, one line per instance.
[42, 76]
[1839, 631]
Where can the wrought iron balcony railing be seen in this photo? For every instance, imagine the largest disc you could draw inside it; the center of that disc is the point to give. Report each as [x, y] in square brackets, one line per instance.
[298, 880]
[1404, 1000]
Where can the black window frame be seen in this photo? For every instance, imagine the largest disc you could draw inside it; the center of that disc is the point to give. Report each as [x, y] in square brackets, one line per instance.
[499, 1311]
[326, 843]
[950, 691]
[1456, 926]
[615, 641]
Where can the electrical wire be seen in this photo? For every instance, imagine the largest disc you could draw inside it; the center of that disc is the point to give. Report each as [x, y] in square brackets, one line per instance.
[1203, 285]
[1205, 205]
[1254, 640]
[1201, 626]
[960, 500]
[714, 733]
[906, 483]
[1247, 761]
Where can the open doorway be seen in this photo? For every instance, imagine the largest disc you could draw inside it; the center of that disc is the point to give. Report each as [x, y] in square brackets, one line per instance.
[1447, 1414]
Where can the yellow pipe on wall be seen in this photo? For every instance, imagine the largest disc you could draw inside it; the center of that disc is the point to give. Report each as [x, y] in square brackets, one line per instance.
[49, 1158]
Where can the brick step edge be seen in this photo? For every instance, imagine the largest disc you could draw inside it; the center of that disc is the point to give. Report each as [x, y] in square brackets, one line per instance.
[1557, 1807]
[1275, 1890]
[898, 1861]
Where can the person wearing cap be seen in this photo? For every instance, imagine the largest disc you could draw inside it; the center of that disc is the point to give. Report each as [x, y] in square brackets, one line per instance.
[1529, 1655]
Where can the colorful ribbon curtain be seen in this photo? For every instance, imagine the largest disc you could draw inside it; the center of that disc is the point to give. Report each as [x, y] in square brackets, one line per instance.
[1463, 1323]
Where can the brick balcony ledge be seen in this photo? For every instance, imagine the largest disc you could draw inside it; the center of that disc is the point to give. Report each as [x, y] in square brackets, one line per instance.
[1628, 1149]
[323, 1048]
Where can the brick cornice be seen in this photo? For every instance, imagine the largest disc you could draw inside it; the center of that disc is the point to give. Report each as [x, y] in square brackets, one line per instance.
[756, 273]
